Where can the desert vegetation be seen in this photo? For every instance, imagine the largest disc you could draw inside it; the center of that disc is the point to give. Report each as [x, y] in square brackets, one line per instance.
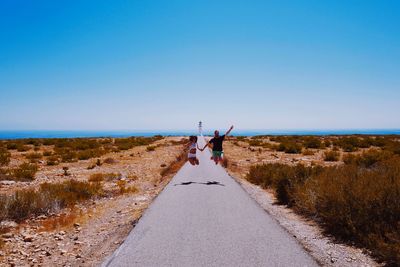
[47, 185]
[297, 144]
[50, 197]
[356, 200]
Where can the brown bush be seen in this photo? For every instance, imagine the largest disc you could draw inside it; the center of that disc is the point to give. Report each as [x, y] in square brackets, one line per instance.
[352, 202]
[99, 177]
[5, 157]
[24, 172]
[33, 157]
[150, 148]
[109, 161]
[308, 152]
[48, 198]
[123, 189]
[367, 158]
[331, 155]
[96, 177]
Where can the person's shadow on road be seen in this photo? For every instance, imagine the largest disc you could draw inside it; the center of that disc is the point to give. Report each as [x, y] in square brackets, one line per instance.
[207, 183]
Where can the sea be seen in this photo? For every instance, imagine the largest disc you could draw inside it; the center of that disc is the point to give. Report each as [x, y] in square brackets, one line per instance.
[21, 134]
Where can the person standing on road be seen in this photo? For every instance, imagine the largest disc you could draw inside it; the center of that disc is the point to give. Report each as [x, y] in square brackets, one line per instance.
[216, 142]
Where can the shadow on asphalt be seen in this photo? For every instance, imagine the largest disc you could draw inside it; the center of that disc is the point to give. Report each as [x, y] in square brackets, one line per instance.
[208, 183]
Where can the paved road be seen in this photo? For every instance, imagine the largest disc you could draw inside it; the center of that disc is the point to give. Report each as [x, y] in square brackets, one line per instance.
[204, 218]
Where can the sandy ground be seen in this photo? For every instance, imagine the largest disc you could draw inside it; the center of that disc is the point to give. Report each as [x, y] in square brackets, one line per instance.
[91, 231]
[324, 249]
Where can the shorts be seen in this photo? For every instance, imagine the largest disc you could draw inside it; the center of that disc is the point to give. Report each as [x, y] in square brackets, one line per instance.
[217, 154]
[191, 156]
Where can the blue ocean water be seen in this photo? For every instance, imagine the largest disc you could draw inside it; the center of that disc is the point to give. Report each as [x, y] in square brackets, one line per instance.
[70, 134]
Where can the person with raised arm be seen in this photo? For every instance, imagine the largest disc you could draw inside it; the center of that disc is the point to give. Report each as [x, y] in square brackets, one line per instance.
[216, 141]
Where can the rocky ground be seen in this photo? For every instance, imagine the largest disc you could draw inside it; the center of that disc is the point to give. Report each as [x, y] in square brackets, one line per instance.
[324, 249]
[91, 231]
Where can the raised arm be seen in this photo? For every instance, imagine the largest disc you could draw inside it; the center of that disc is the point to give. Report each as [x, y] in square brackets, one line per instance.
[205, 146]
[230, 129]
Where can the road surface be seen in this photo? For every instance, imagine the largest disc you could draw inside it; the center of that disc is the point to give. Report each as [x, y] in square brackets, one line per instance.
[204, 218]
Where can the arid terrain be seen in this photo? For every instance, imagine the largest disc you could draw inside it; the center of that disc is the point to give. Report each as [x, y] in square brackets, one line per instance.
[85, 232]
[72, 202]
[346, 188]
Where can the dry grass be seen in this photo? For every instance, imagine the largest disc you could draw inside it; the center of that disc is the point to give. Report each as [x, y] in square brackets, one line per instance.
[5, 157]
[123, 188]
[24, 172]
[353, 202]
[58, 222]
[48, 198]
[100, 177]
[150, 148]
[174, 166]
[331, 155]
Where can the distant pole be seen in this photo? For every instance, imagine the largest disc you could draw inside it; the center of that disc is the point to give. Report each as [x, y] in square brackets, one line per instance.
[200, 128]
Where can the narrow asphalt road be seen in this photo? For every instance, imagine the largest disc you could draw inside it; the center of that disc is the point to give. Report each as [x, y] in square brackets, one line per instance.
[204, 218]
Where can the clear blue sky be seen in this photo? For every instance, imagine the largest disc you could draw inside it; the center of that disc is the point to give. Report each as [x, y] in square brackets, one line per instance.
[89, 65]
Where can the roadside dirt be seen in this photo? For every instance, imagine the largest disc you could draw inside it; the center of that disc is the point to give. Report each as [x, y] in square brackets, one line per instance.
[324, 249]
[91, 231]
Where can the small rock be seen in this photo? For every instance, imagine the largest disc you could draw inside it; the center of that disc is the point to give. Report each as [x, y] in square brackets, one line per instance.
[78, 256]
[63, 252]
[41, 217]
[28, 238]
[8, 235]
[333, 260]
[8, 224]
[7, 182]
[76, 225]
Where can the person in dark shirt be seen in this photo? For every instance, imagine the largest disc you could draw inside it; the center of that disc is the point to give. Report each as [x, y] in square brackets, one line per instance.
[216, 142]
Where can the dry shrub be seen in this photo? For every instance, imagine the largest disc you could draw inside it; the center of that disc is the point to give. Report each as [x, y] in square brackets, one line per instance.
[123, 189]
[22, 148]
[331, 155]
[52, 160]
[100, 177]
[225, 162]
[55, 223]
[5, 157]
[48, 198]
[47, 153]
[109, 161]
[33, 157]
[96, 177]
[24, 172]
[283, 178]
[174, 166]
[132, 176]
[367, 158]
[308, 152]
[352, 202]
[150, 148]
[290, 147]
